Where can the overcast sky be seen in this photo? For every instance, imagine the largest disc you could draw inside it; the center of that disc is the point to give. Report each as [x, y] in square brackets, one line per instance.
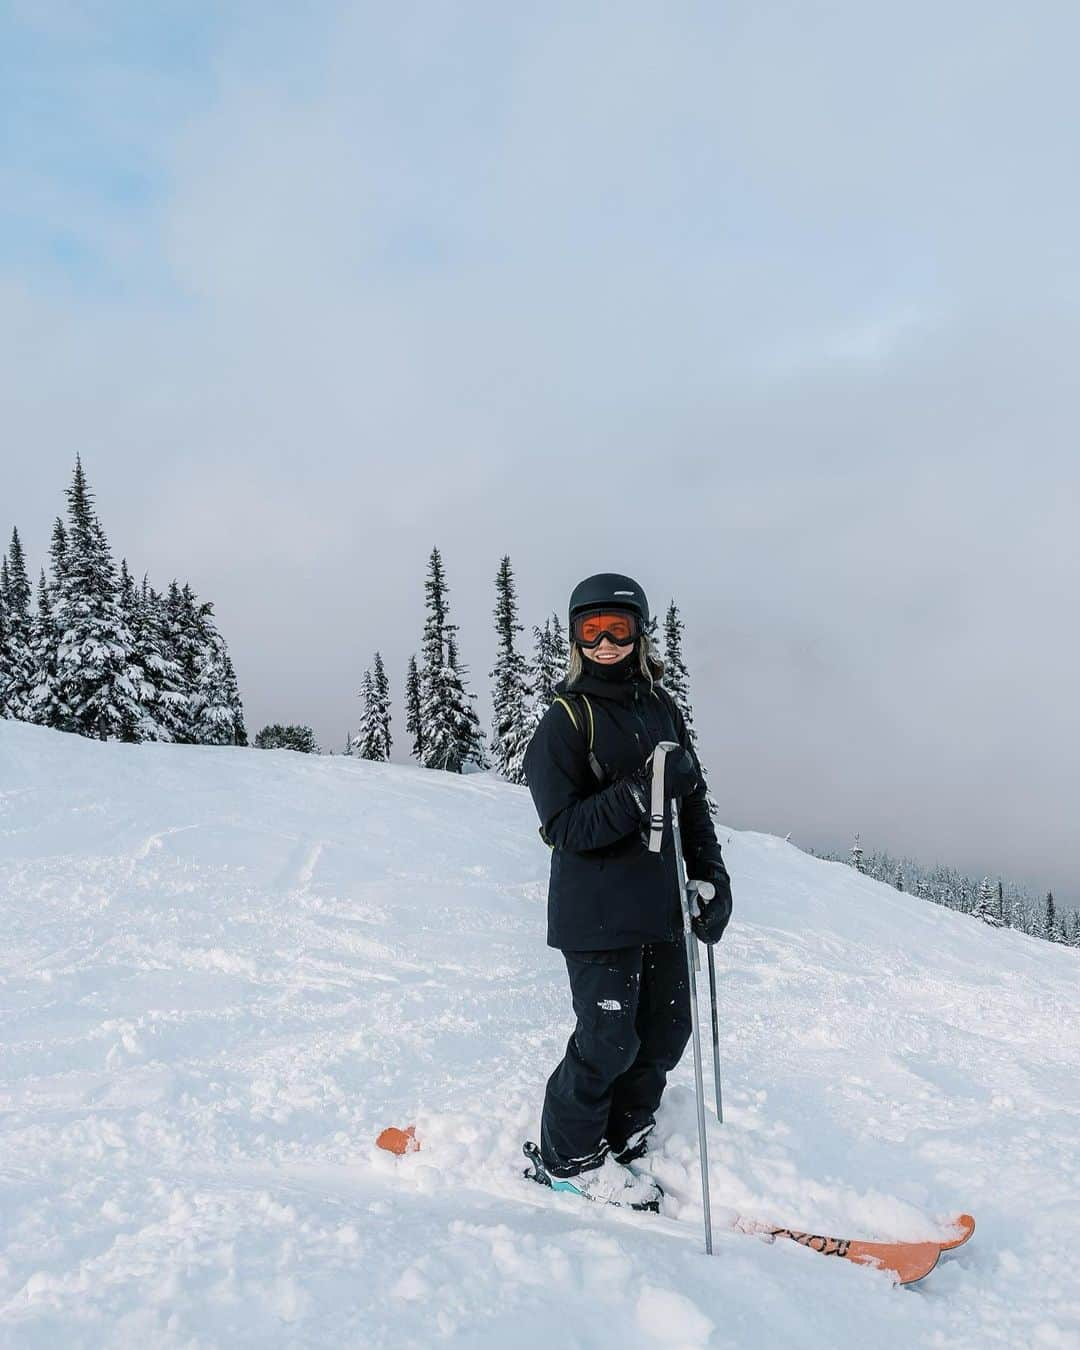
[775, 307]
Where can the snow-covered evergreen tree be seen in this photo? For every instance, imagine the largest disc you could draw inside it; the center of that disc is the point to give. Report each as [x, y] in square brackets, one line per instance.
[551, 655]
[451, 729]
[1049, 917]
[366, 745]
[156, 654]
[414, 724]
[984, 904]
[17, 661]
[211, 703]
[373, 739]
[292, 737]
[184, 636]
[677, 681]
[511, 729]
[676, 675]
[46, 708]
[381, 684]
[898, 877]
[348, 744]
[204, 674]
[857, 856]
[142, 724]
[3, 638]
[96, 683]
[235, 704]
[58, 556]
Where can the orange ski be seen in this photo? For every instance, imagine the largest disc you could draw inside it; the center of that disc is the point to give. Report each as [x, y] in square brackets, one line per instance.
[908, 1262]
[399, 1141]
[966, 1224]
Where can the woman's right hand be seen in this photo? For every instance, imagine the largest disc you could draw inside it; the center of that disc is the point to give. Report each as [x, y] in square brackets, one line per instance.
[680, 774]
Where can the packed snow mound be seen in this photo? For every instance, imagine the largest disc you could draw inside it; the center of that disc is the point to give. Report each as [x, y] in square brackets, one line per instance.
[225, 971]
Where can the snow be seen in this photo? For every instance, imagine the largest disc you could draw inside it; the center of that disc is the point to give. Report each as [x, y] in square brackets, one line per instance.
[225, 971]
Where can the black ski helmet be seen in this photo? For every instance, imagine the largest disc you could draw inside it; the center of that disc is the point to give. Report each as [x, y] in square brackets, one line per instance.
[609, 590]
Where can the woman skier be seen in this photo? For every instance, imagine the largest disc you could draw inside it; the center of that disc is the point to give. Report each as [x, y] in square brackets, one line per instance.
[613, 905]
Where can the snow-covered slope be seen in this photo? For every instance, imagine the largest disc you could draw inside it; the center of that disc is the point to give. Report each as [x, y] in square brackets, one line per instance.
[223, 971]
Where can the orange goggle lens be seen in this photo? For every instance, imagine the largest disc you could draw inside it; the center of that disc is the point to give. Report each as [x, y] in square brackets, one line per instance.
[589, 629]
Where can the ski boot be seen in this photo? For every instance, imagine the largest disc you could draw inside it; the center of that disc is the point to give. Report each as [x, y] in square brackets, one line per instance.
[609, 1183]
[635, 1147]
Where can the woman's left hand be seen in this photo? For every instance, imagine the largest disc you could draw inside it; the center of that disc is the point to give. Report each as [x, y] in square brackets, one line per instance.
[713, 915]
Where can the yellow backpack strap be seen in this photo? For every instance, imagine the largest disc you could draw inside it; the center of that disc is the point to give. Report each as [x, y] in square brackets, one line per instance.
[592, 724]
[588, 730]
[570, 713]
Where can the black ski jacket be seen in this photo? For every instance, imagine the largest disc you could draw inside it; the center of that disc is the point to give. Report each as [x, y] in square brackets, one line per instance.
[606, 889]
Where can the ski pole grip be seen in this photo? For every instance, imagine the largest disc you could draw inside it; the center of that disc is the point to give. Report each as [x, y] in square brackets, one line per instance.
[656, 806]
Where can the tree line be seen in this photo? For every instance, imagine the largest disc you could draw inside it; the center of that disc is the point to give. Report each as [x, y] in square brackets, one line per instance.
[1000, 904]
[101, 655]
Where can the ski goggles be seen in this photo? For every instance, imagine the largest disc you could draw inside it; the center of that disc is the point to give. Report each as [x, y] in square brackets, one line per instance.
[619, 626]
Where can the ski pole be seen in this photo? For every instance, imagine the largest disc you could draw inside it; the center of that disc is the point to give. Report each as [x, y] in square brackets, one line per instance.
[659, 755]
[699, 1083]
[715, 1039]
[706, 891]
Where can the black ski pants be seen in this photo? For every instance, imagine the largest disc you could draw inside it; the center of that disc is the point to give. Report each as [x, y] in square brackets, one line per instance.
[633, 1023]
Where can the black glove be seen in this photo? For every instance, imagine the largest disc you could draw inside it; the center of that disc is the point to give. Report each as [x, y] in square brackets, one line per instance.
[680, 775]
[711, 920]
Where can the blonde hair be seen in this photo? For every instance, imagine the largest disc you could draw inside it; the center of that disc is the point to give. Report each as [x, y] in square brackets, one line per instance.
[649, 662]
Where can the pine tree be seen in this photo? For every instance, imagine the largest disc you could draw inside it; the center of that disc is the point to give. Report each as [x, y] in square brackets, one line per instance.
[141, 724]
[511, 730]
[235, 704]
[857, 856]
[211, 712]
[291, 737]
[17, 659]
[95, 680]
[551, 655]
[381, 689]
[676, 675]
[999, 904]
[373, 739]
[364, 745]
[58, 556]
[898, 879]
[211, 703]
[984, 904]
[46, 708]
[3, 638]
[677, 681]
[414, 724]
[157, 656]
[470, 736]
[348, 744]
[185, 639]
[451, 729]
[1048, 923]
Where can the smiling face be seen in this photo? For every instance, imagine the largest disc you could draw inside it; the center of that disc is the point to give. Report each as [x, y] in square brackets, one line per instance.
[606, 653]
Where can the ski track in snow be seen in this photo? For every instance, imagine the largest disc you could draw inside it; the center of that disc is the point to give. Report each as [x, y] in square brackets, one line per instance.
[225, 971]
